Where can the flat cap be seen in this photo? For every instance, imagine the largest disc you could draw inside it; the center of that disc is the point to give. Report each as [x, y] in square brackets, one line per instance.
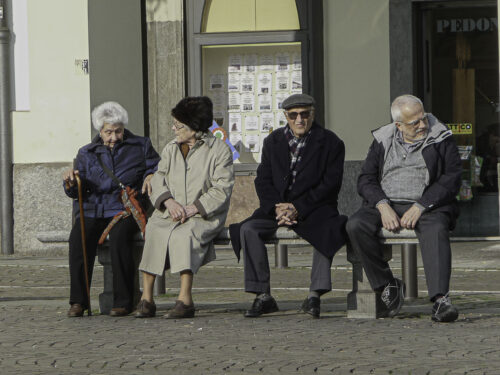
[298, 100]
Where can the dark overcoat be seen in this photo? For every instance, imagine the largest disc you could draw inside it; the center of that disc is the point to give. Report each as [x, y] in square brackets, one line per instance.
[314, 193]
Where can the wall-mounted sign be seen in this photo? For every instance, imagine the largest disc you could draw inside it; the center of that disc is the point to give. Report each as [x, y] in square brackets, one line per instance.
[461, 128]
[458, 25]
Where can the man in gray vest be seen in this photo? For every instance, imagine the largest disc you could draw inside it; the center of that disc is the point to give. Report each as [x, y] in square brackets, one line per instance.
[409, 179]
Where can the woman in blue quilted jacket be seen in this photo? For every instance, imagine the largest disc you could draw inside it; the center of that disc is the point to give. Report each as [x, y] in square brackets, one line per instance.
[133, 160]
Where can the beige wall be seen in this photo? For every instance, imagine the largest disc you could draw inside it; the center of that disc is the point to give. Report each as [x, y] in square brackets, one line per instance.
[357, 70]
[57, 123]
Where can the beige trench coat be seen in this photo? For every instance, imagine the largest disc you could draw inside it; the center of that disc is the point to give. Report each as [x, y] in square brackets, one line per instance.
[205, 179]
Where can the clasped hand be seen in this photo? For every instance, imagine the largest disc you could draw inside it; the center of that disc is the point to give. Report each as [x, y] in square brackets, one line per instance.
[391, 220]
[286, 214]
[178, 212]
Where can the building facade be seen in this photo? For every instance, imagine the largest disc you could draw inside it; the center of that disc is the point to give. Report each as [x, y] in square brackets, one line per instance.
[353, 56]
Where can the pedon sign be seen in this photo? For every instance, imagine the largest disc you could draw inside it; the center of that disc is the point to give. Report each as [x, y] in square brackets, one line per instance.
[457, 25]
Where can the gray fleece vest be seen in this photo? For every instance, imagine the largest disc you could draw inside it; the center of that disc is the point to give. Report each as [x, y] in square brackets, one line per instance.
[405, 174]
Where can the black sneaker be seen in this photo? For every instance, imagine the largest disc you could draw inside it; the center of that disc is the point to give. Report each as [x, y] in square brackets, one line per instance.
[311, 306]
[444, 311]
[262, 305]
[393, 297]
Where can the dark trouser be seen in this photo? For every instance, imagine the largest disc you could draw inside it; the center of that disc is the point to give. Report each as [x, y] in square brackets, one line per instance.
[257, 275]
[122, 260]
[432, 231]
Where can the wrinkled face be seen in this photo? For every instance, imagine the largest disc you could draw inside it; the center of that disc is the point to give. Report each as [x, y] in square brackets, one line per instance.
[300, 120]
[183, 133]
[112, 134]
[415, 123]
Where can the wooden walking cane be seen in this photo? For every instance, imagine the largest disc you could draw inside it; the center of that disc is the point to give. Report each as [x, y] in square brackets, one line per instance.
[84, 244]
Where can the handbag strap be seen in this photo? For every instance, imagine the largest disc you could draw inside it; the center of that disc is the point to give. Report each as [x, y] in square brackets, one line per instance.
[109, 172]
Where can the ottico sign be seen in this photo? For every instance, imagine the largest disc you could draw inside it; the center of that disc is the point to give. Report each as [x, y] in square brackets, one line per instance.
[464, 128]
[457, 25]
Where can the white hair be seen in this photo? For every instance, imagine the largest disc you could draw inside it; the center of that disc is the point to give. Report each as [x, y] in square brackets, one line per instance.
[110, 113]
[400, 102]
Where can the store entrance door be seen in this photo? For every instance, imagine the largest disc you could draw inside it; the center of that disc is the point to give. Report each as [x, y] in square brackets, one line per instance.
[459, 79]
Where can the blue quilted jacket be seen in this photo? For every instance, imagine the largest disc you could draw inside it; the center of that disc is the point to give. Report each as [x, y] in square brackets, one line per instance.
[131, 161]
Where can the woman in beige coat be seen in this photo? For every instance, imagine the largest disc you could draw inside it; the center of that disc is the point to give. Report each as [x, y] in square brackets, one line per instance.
[190, 193]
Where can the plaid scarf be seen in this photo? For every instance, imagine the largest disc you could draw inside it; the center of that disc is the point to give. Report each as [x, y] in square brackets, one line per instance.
[295, 145]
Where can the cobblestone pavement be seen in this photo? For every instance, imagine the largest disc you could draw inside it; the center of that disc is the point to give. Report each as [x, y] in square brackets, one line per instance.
[37, 338]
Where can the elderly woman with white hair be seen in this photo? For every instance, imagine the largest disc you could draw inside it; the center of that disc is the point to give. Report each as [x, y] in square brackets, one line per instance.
[133, 160]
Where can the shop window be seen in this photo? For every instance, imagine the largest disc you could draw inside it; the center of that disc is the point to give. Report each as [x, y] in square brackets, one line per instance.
[249, 15]
[459, 55]
[247, 84]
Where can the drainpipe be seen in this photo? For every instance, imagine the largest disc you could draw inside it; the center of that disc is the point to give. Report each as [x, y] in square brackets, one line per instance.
[6, 180]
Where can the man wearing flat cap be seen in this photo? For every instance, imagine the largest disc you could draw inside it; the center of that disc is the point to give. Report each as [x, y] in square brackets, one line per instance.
[298, 182]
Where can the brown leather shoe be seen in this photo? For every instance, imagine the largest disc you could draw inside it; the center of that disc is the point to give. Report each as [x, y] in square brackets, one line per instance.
[145, 309]
[76, 310]
[119, 311]
[180, 311]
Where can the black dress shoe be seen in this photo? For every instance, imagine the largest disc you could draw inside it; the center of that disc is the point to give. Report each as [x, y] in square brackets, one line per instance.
[261, 306]
[311, 306]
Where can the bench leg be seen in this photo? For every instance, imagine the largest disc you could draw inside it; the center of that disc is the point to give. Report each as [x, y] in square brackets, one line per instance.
[362, 301]
[409, 266]
[159, 287]
[280, 256]
[106, 297]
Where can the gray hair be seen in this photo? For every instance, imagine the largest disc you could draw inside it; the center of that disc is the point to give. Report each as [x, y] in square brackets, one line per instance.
[110, 113]
[400, 102]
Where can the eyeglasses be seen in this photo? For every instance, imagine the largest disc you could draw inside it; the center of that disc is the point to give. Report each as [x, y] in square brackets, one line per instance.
[293, 115]
[178, 125]
[424, 118]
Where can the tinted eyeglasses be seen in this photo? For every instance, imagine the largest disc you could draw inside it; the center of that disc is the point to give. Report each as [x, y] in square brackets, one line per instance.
[303, 115]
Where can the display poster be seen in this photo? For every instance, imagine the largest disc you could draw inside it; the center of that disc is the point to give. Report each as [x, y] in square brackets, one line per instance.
[265, 103]
[247, 82]
[234, 102]
[217, 82]
[252, 143]
[251, 123]
[235, 63]
[250, 62]
[234, 123]
[296, 81]
[265, 83]
[233, 82]
[296, 61]
[282, 81]
[279, 98]
[248, 102]
[266, 122]
[282, 62]
[266, 62]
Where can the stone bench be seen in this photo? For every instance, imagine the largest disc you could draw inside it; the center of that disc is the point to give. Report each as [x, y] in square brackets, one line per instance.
[362, 302]
[281, 239]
